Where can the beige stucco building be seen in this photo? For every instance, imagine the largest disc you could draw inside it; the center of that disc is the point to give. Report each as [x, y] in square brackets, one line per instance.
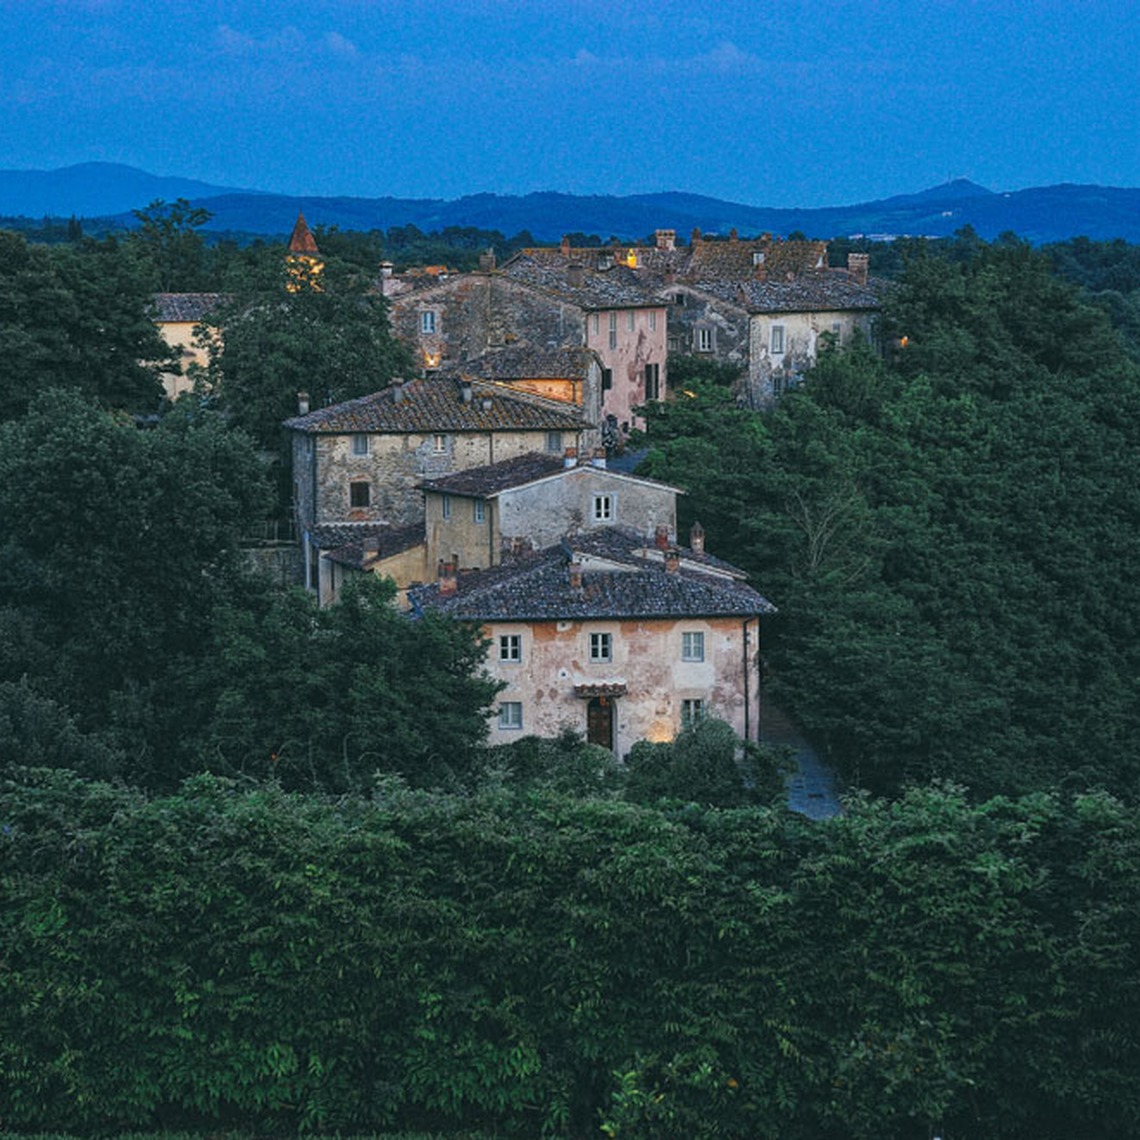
[177, 317]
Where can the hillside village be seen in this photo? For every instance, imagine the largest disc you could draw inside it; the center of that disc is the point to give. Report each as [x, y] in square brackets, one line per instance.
[493, 485]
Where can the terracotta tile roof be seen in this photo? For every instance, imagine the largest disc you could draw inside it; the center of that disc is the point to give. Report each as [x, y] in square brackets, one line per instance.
[435, 404]
[711, 260]
[185, 306]
[616, 286]
[617, 545]
[347, 543]
[821, 290]
[539, 589]
[522, 363]
[491, 479]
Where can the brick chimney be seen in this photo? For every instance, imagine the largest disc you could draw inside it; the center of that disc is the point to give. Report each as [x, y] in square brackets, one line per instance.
[302, 403]
[697, 538]
[672, 560]
[574, 570]
[487, 261]
[448, 575]
[575, 274]
[695, 236]
[565, 247]
[666, 239]
[599, 458]
[661, 537]
[733, 234]
[570, 457]
[371, 545]
[858, 265]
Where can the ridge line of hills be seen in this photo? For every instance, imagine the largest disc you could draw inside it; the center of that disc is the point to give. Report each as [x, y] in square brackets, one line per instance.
[108, 192]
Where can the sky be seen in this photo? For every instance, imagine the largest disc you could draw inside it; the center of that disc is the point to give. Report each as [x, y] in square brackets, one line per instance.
[771, 104]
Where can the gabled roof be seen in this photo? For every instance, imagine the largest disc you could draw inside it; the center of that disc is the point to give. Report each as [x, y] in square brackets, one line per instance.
[436, 404]
[488, 481]
[615, 287]
[367, 543]
[522, 363]
[539, 588]
[186, 306]
[810, 292]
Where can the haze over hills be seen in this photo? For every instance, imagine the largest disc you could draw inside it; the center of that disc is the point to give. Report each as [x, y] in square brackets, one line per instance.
[108, 191]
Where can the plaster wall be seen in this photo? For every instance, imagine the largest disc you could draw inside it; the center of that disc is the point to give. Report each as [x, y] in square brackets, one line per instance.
[646, 658]
[639, 337]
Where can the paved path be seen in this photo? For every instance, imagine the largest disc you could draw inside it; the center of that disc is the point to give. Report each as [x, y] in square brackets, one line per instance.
[813, 790]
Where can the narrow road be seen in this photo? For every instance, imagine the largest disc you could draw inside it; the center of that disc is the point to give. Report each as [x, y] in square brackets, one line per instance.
[813, 790]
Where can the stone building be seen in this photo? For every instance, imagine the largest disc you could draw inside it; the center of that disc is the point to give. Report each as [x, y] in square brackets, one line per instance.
[357, 466]
[621, 637]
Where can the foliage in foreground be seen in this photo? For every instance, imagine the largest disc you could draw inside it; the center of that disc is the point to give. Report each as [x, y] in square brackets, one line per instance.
[530, 962]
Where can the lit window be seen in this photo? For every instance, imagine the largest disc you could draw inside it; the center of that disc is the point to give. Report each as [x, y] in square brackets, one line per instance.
[359, 444]
[653, 381]
[601, 647]
[439, 444]
[359, 494]
[554, 442]
[510, 647]
[692, 646]
[603, 510]
[692, 711]
[446, 506]
[427, 321]
[777, 338]
[479, 512]
[704, 339]
[510, 714]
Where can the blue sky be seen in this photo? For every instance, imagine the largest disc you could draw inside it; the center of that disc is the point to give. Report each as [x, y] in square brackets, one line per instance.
[775, 104]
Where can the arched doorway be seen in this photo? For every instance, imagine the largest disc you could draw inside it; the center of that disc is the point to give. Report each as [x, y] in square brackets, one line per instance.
[600, 721]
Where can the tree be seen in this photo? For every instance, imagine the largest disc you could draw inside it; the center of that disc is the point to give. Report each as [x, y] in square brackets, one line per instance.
[283, 332]
[170, 246]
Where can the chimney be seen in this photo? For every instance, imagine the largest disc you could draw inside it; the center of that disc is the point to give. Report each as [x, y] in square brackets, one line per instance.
[487, 261]
[570, 457]
[574, 569]
[672, 560]
[397, 391]
[857, 266]
[661, 537]
[485, 403]
[733, 235]
[302, 403]
[371, 545]
[575, 274]
[386, 268]
[666, 239]
[599, 459]
[670, 274]
[695, 236]
[465, 390]
[448, 578]
[565, 245]
[697, 538]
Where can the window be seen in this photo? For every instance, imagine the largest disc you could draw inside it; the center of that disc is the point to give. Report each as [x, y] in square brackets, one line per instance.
[613, 330]
[427, 321]
[692, 646]
[479, 510]
[607, 379]
[692, 711]
[360, 444]
[601, 647]
[554, 442]
[446, 506]
[653, 381]
[678, 298]
[757, 257]
[603, 509]
[674, 343]
[510, 714]
[629, 322]
[652, 320]
[777, 338]
[510, 647]
[439, 444]
[595, 321]
[359, 494]
[704, 339]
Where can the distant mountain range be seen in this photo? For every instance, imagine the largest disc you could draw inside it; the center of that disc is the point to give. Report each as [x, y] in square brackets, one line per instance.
[108, 192]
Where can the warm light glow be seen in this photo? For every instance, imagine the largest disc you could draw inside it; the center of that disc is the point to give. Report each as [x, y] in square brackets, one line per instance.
[631, 259]
[904, 341]
[660, 732]
[431, 359]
